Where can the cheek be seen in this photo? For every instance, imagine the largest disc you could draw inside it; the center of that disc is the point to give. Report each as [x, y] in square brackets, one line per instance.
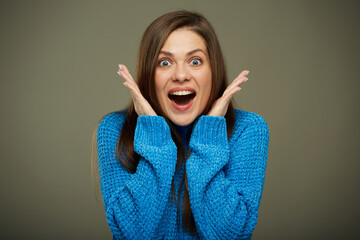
[159, 88]
[207, 93]
[158, 83]
[161, 78]
[205, 85]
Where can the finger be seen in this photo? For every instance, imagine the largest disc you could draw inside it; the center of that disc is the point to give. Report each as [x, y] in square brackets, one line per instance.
[134, 97]
[138, 97]
[131, 84]
[133, 89]
[237, 81]
[126, 74]
[244, 73]
[223, 102]
[230, 93]
[241, 78]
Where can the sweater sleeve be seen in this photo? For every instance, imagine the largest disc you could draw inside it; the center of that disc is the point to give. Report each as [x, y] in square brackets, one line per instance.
[225, 180]
[134, 203]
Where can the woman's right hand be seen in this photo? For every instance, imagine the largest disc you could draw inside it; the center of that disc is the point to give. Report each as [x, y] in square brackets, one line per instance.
[141, 105]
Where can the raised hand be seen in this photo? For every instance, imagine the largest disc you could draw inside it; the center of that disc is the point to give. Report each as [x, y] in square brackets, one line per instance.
[220, 106]
[141, 105]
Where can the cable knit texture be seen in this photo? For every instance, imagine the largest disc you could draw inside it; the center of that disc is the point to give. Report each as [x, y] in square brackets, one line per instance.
[225, 177]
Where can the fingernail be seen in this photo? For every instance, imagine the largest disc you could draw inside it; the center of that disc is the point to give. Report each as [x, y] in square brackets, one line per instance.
[247, 73]
[118, 72]
[120, 68]
[125, 84]
[246, 79]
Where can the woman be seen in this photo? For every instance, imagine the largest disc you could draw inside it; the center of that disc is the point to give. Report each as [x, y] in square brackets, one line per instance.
[180, 162]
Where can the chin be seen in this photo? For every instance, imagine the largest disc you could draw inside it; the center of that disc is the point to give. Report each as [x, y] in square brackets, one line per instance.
[182, 120]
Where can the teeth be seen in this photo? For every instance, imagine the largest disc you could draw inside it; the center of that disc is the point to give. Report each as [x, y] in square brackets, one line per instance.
[181, 93]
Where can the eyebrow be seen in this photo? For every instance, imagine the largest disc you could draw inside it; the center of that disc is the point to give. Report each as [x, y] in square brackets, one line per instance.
[187, 54]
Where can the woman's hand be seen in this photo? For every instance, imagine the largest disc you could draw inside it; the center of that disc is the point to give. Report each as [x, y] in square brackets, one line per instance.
[220, 106]
[141, 105]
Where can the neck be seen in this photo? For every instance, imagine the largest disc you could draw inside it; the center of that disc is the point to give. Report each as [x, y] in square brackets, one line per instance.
[184, 132]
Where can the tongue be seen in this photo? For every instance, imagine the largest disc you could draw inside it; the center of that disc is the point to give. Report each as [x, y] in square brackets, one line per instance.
[181, 100]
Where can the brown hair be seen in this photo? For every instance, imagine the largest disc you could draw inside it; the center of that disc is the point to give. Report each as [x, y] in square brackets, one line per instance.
[152, 42]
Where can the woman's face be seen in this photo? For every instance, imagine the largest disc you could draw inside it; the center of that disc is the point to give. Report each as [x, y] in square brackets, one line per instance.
[183, 76]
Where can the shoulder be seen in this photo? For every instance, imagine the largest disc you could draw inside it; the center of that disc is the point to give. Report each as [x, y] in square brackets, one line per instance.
[112, 121]
[245, 121]
[244, 118]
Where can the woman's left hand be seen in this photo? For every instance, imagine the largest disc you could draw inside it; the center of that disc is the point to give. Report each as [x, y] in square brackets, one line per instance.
[220, 106]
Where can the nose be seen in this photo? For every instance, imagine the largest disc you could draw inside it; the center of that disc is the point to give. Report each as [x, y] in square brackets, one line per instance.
[180, 73]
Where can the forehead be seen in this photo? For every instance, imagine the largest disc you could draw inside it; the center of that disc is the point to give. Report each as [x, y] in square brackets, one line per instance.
[184, 40]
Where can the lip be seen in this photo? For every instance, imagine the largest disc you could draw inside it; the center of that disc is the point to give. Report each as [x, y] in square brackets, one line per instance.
[175, 89]
[182, 107]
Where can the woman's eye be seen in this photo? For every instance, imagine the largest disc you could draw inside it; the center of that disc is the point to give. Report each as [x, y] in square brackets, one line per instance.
[195, 62]
[164, 63]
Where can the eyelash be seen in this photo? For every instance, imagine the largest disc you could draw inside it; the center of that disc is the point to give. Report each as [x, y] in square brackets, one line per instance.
[167, 60]
[163, 60]
[198, 59]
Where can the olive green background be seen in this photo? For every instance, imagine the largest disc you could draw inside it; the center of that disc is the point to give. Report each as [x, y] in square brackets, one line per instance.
[58, 78]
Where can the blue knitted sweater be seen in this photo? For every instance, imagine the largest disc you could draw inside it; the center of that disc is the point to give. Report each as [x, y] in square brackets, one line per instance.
[225, 177]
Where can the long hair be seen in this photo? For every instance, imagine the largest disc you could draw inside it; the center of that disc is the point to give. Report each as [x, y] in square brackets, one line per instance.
[151, 44]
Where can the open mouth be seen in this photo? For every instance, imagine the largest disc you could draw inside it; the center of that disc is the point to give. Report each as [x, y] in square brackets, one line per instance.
[182, 97]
